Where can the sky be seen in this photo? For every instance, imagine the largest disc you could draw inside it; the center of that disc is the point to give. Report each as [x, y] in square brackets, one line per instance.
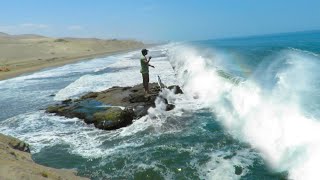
[158, 20]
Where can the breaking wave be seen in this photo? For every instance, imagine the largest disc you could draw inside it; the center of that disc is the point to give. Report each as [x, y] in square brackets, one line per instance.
[275, 109]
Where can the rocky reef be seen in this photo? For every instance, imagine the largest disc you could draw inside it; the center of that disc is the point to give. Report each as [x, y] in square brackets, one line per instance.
[16, 163]
[113, 108]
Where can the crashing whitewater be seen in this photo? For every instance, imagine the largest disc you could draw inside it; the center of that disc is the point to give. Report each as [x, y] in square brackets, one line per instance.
[267, 110]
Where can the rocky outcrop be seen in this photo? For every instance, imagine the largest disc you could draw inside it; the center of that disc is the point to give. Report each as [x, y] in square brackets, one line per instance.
[113, 118]
[14, 143]
[113, 108]
[16, 163]
[176, 89]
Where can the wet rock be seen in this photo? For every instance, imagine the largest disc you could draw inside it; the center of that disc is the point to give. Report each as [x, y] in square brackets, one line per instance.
[68, 101]
[176, 89]
[82, 115]
[140, 111]
[137, 98]
[79, 109]
[90, 95]
[238, 170]
[170, 107]
[103, 108]
[113, 118]
[55, 109]
[112, 114]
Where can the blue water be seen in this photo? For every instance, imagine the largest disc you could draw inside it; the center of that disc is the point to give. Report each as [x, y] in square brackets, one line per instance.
[250, 111]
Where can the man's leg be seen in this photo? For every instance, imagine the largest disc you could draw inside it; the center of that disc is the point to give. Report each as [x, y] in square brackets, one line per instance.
[144, 78]
[147, 83]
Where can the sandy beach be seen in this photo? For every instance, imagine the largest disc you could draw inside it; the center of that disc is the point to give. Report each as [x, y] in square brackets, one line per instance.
[21, 54]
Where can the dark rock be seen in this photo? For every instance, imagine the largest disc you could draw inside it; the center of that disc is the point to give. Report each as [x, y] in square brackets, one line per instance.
[176, 89]
[137, 98]
[90, 95]
[140, 111]
[67, 101]
[113, 118]
[80, 109]
[238, 170]
[51, 95]
[125, 88]
[112, 114]
[54, 109]
[82, 115]
[22, 146]
[99, 107]
[169, 107]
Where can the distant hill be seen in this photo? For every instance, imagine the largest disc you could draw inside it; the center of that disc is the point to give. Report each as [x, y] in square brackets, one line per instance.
[3, 34]
[29, 36]
[22, 36]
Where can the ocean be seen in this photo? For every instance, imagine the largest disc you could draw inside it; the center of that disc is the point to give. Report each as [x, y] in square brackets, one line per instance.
[250, 110]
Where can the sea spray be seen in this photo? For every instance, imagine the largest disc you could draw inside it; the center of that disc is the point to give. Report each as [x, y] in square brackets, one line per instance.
[272, 120]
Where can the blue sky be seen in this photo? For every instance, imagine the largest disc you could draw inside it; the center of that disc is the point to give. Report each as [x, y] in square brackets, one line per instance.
[158, 19]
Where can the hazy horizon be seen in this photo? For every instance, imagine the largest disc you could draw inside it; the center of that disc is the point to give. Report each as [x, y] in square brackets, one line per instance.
[149, 20]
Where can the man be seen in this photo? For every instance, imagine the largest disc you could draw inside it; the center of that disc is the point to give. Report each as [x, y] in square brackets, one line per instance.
[145, 70]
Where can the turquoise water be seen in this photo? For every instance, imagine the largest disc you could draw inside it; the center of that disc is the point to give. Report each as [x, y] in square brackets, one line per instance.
[250, 111]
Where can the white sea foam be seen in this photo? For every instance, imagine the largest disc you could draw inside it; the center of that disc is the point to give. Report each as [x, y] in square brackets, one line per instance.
[219, 167]
[272, 120]
[42, 130]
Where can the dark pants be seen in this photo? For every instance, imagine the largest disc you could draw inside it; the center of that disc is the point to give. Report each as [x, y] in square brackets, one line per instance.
[145, 78]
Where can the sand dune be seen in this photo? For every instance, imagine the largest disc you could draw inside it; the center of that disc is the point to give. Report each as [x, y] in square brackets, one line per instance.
[27, 53]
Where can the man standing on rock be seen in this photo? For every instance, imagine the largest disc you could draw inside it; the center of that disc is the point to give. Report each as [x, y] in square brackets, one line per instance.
[145, 70]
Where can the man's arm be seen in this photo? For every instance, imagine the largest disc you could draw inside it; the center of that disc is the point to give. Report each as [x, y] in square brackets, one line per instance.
[147, 60]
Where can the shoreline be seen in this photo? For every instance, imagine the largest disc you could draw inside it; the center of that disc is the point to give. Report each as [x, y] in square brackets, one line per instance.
[57, 62]
[17, 163]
